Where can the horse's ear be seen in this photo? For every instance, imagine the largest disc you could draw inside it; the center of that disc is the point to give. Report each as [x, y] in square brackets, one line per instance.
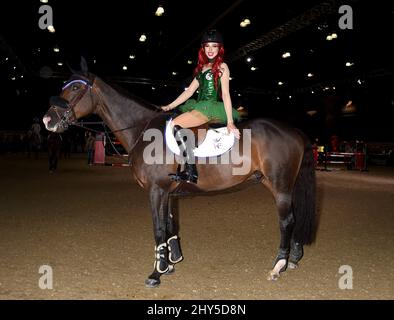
[84, 66]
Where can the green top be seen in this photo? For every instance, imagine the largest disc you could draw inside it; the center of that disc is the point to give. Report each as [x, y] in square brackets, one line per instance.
[208, 102]
[207, 91]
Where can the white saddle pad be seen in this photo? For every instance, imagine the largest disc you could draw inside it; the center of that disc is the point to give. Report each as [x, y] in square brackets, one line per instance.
[216, 142]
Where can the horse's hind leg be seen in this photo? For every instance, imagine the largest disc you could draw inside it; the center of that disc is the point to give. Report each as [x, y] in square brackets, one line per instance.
[173, 243]
[159, 206]
[296, 253]
[286, 225]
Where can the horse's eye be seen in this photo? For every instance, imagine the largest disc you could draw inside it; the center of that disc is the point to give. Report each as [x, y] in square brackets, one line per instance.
[75, 88]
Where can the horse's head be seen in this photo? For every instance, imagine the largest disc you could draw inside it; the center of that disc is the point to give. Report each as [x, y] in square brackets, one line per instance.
[75, 101]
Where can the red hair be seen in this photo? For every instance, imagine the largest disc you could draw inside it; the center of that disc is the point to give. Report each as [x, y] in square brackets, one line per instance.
[203, 60]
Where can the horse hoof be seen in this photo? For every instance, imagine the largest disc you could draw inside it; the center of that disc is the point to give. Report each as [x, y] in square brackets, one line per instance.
[273, 276]
[292, 265]
[171, 270]
[152, 283]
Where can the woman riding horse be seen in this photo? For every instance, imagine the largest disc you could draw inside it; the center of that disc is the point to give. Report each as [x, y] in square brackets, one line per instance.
[280, 158]
[212, 76]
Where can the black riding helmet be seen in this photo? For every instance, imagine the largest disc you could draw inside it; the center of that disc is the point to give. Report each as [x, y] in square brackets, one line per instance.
[212, 36]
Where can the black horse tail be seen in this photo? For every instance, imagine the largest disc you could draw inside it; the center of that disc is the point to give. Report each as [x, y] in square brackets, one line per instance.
[304, 199]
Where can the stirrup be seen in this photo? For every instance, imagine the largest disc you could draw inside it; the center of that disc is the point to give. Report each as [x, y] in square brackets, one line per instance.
[176, 176]
[183, 176]
[188, 177]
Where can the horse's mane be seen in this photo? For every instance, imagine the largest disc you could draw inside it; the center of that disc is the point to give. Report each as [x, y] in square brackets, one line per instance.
[121, 90]
[128, 95]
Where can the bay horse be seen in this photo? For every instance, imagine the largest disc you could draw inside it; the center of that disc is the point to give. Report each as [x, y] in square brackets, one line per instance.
[281, 159]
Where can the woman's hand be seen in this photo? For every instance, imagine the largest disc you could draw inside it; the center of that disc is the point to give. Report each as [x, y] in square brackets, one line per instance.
[232, 128]
[166, 108]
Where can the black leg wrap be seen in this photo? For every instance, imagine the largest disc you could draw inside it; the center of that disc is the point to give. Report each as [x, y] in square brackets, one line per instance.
[161, 263]
[174, 248]
[296, 252]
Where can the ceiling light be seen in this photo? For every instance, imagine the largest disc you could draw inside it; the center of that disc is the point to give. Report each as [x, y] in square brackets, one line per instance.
[44, 1]
[60, 64]
[311, 112]
[253, 68]
[244, 23]
[286, 55]
[124, 68]
[13, 78]
[132, 56]
[159, 11]
[174, 73]
[310, 75]
[142, 38]
[331, 36]
[51, 28]
[280, 83]
[349, 64]
[249, 59]
[189, 61]
[56, 49]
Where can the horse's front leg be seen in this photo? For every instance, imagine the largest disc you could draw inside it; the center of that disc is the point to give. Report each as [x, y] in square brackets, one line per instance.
[173, 243]
[159, 207]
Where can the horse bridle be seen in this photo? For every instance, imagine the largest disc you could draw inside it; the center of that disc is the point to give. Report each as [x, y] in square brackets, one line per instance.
[69, 116]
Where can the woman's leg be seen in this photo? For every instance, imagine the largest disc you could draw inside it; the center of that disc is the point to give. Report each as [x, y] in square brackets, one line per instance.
[187, 120]
[190, 119]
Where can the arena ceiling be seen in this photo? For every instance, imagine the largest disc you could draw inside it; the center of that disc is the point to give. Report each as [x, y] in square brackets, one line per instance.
[107, 35]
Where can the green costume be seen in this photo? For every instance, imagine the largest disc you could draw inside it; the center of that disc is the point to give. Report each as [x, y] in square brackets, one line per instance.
[208, 102]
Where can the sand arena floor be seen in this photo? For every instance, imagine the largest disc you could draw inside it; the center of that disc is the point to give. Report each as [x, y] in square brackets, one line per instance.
[92, 225]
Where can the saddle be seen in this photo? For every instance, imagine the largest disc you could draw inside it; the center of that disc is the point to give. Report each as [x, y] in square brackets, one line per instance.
[217, 140]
